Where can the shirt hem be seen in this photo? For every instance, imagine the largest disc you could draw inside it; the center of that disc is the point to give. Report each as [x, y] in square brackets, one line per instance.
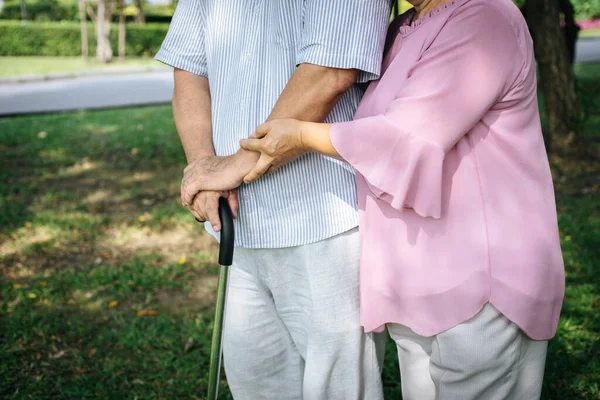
[539, 321]
[289, 242]
[166, 57]
[369, 67]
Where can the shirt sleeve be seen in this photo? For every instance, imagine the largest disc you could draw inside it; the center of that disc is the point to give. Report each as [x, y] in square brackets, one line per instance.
[475, 59]
[183, 46]
[346, 34]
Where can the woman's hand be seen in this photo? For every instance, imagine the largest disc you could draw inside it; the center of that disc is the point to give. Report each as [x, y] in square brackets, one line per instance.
[279, 142]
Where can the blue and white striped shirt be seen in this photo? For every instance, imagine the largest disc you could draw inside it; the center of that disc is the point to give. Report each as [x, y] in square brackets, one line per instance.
[248, 50]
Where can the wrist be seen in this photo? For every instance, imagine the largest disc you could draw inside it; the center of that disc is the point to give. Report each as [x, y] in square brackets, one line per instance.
[193, 156]
[304, 136]
[243, 161]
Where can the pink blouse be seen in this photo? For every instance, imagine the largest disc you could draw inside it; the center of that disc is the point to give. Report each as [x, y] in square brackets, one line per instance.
[456, 201]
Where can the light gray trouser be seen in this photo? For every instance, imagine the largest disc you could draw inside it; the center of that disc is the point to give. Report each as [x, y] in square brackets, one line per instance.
[485, 358]
[292, 327]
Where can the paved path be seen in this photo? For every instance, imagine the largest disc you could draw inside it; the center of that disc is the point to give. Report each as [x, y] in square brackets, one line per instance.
[92, 92]
[588, 50]
[130, 89]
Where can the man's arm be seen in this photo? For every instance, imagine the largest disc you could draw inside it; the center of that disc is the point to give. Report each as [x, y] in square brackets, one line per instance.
[192, 114]
[312, 92]
[310, 95]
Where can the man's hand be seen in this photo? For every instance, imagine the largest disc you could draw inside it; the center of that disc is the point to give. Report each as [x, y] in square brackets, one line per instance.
[209, 173]
[206, 206]
[279, 142]
[215, 173]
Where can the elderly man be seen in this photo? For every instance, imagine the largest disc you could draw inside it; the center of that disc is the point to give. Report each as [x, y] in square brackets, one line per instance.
[292, 326]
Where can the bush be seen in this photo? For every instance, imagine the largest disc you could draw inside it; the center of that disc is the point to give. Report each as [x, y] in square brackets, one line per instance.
[64, 39]
[152, 13]
[68, 10]
[41, 10]
[586, 9]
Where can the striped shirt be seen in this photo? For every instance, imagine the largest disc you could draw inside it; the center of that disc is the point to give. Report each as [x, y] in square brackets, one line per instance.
[248, 50]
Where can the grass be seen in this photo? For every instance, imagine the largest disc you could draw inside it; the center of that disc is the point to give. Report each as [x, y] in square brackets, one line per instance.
[108, 285]
[12, 66]
[595, 33]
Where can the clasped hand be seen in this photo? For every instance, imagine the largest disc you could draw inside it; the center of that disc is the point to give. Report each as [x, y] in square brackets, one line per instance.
[272, 145]
[278, 142]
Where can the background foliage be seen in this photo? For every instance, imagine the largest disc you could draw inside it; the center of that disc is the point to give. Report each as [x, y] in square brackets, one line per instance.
[64, 38]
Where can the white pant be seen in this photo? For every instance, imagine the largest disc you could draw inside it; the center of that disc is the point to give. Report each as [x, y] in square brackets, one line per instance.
[485, 358]
[292, 328]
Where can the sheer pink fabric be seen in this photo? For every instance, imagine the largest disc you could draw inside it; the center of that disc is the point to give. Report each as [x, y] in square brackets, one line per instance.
[456, 200]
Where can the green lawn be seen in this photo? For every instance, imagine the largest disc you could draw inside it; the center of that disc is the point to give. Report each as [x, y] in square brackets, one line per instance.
[108, 285]
[590, 33]
[43, 65]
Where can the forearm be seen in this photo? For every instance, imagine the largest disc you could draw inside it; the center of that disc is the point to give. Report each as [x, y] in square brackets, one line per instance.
[312, 92]
[316, 137]
[192, 114]
[310, 95]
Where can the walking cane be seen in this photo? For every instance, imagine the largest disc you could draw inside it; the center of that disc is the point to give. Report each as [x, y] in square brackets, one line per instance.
[225, 259]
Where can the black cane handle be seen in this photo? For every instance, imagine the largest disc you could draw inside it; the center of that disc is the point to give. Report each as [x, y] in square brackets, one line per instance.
[227, 233]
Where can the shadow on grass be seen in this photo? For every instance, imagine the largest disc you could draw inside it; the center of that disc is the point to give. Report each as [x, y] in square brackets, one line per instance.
[77, 154]
[108, 285]
[72, 353]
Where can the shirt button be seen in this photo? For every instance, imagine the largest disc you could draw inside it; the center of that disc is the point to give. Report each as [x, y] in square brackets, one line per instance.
[248, 56]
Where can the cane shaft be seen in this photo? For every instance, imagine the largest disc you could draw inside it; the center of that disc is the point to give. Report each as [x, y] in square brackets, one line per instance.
[216, 348]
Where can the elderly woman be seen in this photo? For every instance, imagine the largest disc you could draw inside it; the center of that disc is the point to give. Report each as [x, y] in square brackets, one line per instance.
[460, 251]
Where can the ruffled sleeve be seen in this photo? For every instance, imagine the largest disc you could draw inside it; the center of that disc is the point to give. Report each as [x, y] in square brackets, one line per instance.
[474, 61]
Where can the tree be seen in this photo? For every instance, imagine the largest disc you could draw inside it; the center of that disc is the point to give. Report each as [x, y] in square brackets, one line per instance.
[556, 72]
[121, 30]
[102, 17]
[23, 11]
[140, 18]
[570, 29]
[104, 12]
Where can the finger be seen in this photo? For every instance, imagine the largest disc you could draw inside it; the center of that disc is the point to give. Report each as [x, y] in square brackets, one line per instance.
[196, 215]
[190, 190]
[251, 144]
[262, 130]
[271, 169]
[233, 201]
[181, 195]
[197, 208]
[211, 210]
[259, 169]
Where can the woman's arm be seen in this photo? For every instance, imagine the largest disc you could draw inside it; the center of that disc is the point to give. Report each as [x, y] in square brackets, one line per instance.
[283, 140]
[316, 137]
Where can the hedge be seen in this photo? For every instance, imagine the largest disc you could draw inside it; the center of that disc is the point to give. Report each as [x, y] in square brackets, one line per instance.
[585, 9]
[64, 38]
[68, 10]
[41, 10]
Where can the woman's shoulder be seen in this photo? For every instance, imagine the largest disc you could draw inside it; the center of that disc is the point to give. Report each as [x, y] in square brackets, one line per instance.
[500, 19]
[484, 12]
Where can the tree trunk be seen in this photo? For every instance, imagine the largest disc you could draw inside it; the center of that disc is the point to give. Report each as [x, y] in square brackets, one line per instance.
[84, 31]
[23, 11]
[103, 49]
[570, 29]
[140, 18]
[556, 73]
[121, 31]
